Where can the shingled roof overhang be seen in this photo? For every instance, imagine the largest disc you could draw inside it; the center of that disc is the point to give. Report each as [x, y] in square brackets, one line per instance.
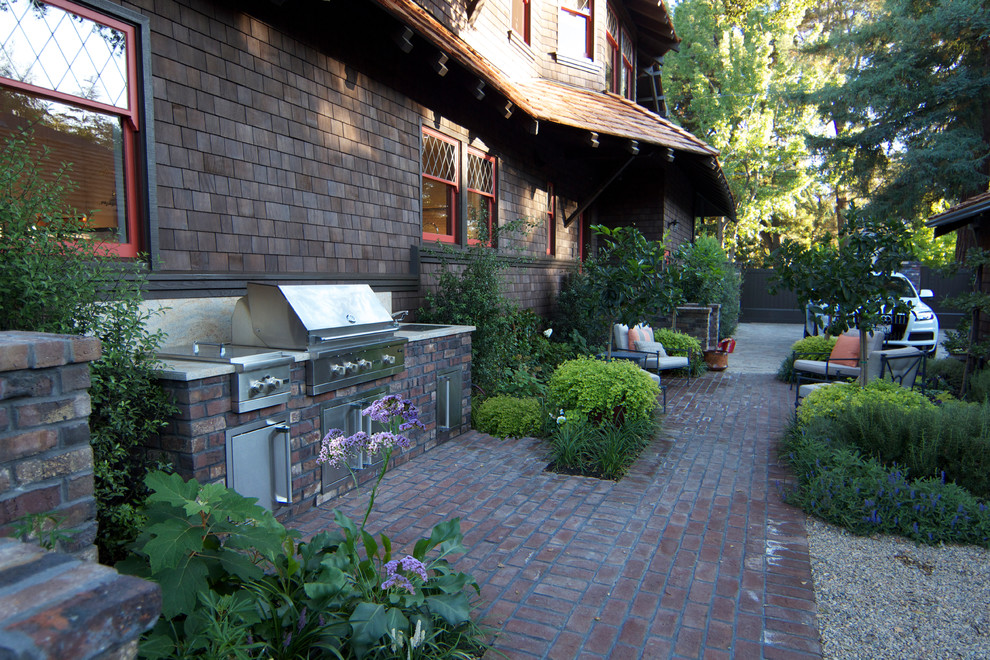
[585, 112]
[973, 209]
[654, 29]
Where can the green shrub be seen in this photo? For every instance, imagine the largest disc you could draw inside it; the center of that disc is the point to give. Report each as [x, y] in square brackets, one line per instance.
[577, 312]
[510, 417]
[945, 374]
[978, 388]
[604, 391]
[846, 398]
[679, 343]
[840, 485]
[951, 441]
[809, 348]
[237, 584]
[607, 450]
[55, 281]
[708, 277]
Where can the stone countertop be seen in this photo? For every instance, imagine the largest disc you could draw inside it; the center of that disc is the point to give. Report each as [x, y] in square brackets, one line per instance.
[188, 370]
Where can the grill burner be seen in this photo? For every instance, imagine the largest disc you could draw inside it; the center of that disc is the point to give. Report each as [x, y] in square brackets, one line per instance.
[261, 375]
[348, 333]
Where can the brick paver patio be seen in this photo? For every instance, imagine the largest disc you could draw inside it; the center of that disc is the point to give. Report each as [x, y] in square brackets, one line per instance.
[692, 555]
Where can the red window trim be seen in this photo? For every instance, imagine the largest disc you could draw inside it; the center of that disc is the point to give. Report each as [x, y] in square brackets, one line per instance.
[588, 26]
[130, 126]
[491, 196]
[527, 6]
[445, 238]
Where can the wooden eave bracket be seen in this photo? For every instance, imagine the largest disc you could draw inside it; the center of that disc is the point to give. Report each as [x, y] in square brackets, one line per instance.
[403, 37]
[440, 64]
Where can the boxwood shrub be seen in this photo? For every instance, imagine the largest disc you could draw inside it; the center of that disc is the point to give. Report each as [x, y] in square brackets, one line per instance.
[810, 348]
[510, 417]
[678, 343]
[604, 391]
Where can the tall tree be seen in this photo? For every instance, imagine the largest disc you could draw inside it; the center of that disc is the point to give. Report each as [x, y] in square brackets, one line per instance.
[911, 111]
[731, 83]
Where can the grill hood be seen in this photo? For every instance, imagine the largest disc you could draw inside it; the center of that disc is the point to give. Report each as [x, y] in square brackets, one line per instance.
[304, 317]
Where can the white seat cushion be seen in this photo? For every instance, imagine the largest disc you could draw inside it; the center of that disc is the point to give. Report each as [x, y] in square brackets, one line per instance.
[822, 368]
[671, 362]
[651, 347]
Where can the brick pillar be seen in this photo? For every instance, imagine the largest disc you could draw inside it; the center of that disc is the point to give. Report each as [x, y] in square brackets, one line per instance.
[46, 462]
[695, 320]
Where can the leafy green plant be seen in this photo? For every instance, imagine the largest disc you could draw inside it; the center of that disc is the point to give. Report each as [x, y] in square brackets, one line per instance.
[604, 391]
[55, 279]
[846, 398]
[510, 417]
[628, 278]
[577, 313]
[679, 343]
[944, 374]
[605, 450]
[840, 485]
[708, 277]
[46, 529]
[226, 565]
[809, 348]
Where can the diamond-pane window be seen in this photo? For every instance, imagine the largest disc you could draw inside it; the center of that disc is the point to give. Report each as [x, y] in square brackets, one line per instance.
[54, 49]
[69, 74]
[481, 173]
[439, 158]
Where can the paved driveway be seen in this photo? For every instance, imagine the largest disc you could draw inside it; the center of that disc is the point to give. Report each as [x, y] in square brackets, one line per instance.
[692, 555]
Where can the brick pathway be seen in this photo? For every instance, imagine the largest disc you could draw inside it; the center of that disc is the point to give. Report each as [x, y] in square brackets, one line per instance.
[692, 555]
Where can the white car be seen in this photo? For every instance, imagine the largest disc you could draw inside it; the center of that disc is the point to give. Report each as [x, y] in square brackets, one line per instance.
[917, 327]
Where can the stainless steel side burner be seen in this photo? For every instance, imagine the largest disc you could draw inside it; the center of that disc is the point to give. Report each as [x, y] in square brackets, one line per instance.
[261, 375]
[348, 333]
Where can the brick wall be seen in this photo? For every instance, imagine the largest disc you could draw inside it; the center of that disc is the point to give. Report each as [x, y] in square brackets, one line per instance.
[195, 441]
[701, 322]
[46, 463]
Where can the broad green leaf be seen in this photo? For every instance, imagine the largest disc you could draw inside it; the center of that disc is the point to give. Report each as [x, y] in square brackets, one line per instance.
[180, 585]
[367, 623]
[171, 488]
[171, 545]
[396, 620]
[453, 608]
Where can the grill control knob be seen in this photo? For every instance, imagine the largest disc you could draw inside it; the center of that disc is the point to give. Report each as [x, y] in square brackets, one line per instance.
[266, 385]
[388, 359]
[363, 364]
[338, 370]
[349, 367]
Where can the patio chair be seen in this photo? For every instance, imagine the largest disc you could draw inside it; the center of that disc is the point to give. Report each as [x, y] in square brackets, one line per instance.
[841, 363]
[650, 354]
[901, 365]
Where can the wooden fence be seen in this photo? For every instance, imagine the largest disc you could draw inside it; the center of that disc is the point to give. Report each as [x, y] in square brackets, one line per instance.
[758, 305]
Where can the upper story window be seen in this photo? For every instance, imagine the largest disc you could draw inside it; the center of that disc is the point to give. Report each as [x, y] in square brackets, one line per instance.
[439, 193]
[521, 19]
[480, 196]
[620, 62]
[70, 74]
[575, 29]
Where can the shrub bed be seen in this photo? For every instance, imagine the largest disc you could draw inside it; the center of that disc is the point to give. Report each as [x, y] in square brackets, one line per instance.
[886, 459]
[510, 417]
[811, 348]
[601, 391]
[606, 451]
[679, 343]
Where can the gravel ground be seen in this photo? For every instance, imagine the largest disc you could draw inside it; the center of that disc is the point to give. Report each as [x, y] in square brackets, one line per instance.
[885, 597]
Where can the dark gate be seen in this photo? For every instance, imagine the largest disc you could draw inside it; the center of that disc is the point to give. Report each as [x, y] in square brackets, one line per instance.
[758, 305]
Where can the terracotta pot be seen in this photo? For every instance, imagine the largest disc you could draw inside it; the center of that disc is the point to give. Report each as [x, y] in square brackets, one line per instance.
[717, 360]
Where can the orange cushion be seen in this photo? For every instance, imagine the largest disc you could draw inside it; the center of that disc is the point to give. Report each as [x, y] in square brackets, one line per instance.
[635, 335]
[845, 351]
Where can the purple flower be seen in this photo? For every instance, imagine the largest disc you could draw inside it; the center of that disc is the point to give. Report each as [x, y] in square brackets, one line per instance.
[409, 564]
[393, 411]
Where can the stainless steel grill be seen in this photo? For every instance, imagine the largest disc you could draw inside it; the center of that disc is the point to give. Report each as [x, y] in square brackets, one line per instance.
[348, 333]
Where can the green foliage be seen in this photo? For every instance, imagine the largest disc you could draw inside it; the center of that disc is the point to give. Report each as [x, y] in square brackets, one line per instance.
[510, 417]
[45, 529]
[236, 583]
[809, 348]
[628, 278]
[840, 485]
[606, 450]
[577, 312]
[908, 112]
[979, 386]
[707, 277]
[945, 374]
[604, 391]
[679, 343]
[846, 280]
[55, 280]
[735, 82]
[846, 398]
